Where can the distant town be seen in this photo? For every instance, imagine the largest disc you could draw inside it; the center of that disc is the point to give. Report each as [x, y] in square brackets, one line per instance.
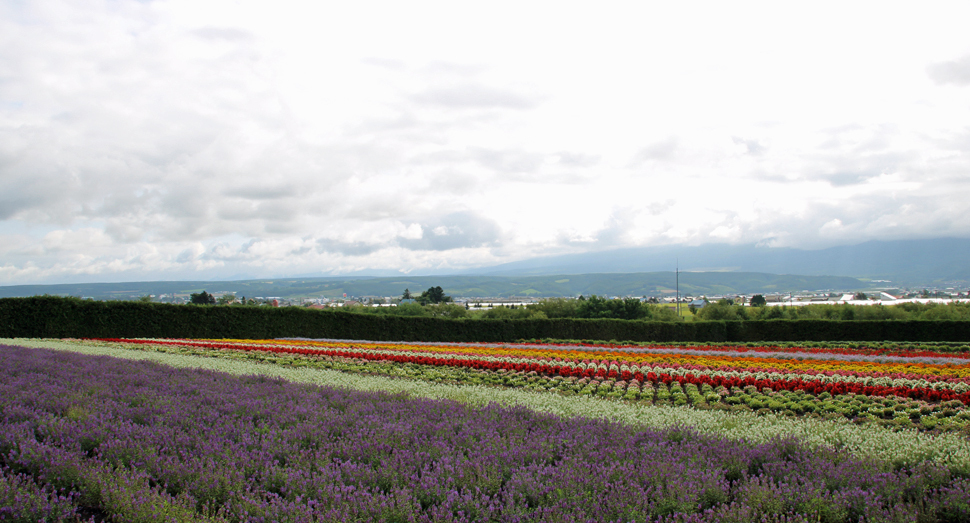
[897, 296]
[485, 292]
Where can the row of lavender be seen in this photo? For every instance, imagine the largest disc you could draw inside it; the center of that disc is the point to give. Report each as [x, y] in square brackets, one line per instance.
[128, 441]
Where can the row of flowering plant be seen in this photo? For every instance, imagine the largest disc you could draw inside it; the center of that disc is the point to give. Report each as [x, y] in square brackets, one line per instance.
[933, 382]
[927, 403]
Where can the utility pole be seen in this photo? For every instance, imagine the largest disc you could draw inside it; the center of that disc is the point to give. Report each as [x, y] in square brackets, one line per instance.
[678, 289]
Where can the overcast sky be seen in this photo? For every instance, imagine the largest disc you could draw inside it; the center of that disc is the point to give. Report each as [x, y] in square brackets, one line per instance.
[210, 139]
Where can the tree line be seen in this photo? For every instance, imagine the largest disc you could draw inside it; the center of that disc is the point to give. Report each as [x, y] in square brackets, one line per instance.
[726, 310]
[434, 303]
[595, 307]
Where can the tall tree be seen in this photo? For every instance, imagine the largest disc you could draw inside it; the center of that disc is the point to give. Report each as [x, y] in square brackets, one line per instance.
[203, 298]
[433, 295]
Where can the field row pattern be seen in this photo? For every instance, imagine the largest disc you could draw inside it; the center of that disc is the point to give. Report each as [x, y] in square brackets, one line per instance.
[936, 383]
[121, 440]
[891, 412]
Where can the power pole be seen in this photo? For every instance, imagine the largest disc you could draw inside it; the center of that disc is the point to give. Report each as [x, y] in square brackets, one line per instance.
[678, 289]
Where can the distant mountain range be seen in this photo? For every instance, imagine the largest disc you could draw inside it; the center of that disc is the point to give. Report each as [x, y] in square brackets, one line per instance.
[611, 284]
[904, 262]
[707, 269]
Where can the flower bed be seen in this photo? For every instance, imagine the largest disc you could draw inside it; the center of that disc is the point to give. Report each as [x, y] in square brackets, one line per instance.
[136, 441]
[920, 392]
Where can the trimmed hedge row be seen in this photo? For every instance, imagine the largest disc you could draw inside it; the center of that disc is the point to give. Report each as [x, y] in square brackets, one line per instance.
[54, 317]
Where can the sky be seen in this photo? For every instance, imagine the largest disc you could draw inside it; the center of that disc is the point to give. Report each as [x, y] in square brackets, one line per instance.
[159, 140]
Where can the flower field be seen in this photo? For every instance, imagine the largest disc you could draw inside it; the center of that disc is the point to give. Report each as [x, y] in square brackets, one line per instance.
[540, 432]
[924, 390]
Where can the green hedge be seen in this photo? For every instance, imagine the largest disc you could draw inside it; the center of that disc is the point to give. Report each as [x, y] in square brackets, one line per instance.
[53, 317]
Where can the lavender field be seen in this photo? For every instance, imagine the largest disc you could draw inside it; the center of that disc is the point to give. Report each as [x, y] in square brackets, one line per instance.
[93, 438]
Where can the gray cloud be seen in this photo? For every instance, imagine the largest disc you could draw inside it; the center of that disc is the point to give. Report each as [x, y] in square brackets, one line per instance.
[658, 208]
[820, 224]
[854, 154]
[186, 256]
[884, 217]
[507, 161]
[472, 96]
[263, 192]
[458, 230]
[841, 179]
[613, 233]
[849, 169]
[839, 136]
[455, 231]
[659, 151]
[223, 33]
[123, 232]
[617, 227]
[753, 147]
[507, 164]
[952, 72]
[571, 159]
[454, 181]
[347, 248]
[22, 195]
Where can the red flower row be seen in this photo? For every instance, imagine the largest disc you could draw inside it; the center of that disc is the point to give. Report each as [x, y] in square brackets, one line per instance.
[554, 369]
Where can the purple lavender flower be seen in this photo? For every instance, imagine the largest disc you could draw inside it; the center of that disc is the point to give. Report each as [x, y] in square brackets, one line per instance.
[141, 441]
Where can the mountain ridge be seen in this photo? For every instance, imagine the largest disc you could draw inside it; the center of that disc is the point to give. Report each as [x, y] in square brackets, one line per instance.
[463, 286]
[634, 271]
[903, 262]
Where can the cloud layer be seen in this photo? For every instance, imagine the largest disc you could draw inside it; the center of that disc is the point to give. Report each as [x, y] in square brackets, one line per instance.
[164, 139]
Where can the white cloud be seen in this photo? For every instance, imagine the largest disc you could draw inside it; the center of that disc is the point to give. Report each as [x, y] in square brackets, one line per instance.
[177, 139]
[951, 72]
[471, 96]
[75, 240]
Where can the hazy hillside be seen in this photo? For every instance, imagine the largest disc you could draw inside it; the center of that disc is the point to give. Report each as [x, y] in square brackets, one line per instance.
[604, 284]
[707, 269]
[908, 262]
